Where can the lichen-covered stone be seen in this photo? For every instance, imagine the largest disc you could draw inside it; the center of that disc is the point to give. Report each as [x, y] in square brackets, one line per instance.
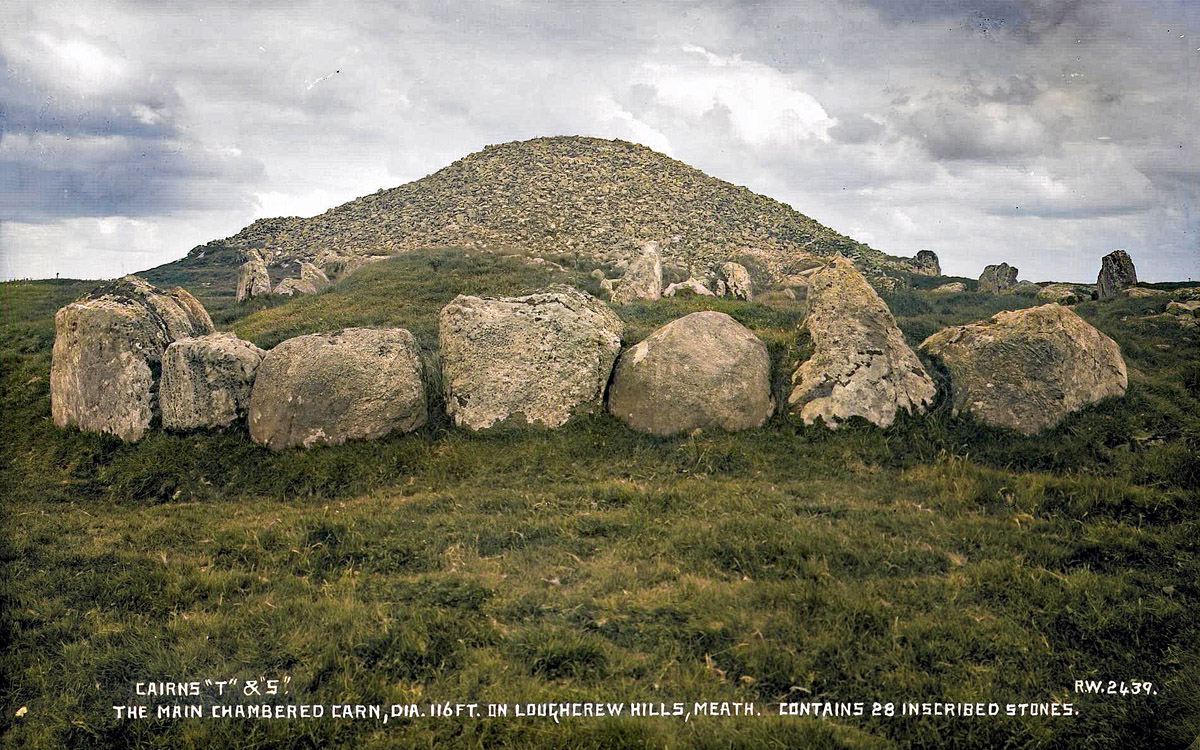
[1027, 369]
[327, 388]
[954, 287]
[1063, 294]
[926, 263]
[1116, 273]
[254, 280]
[702, 371]
[536, 359]
[206, 381]
[737, 281]
[861, 365]
[690, 286]
[643, 278]
[997, 279]
[107, 355]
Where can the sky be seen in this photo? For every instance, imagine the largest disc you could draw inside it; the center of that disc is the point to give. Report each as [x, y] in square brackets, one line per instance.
[1042, 133]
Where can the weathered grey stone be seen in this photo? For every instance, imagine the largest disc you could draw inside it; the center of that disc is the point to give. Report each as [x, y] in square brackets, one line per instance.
[107, 355]
[253, 281]
[536, 359]
[1025, 289]
[597, 274]
[607, 288]
[1142, 291]
[861, 365]
[643, 278]
[1063, 294]
[692, 286]
[206, 381]
[1116, 273]
[954, 287]
[737, 281]
[997, 279]
[357, 383]
[926, 263]
[702, 371]
[1027, 369]
[310, 281]
[1190, 308]
[335, 263]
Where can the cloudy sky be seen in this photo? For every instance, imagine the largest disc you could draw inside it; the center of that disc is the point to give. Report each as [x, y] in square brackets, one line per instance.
[1040, 132]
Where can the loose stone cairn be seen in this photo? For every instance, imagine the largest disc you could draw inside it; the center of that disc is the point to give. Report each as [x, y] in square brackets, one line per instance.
[643, 278]
[861, 366]
[692, 286]
[1063, 294]
[954, 287]
[206, 381]
[1027, 369]
[997, 279]
[702, 371]
[737, 281]
[1116, 273]
[253, 281]
[536, 359]
[108, 349]
[357, 383]
[926, 263]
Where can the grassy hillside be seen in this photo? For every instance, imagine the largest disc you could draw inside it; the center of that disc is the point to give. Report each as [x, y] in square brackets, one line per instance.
[936, 560]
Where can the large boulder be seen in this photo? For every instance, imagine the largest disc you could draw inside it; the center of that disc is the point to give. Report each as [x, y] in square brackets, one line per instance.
[861, 365]
[107, 355]
[1025, 289]
[536, 359]
[357, 383]
[643, 279]
[206, 381]
[704, 370]
[926, 263]
[1116, 273]
[1027, 369]
[253, 281]
[737, 281]
[1063, 294]
[997, 279]
[310, 281]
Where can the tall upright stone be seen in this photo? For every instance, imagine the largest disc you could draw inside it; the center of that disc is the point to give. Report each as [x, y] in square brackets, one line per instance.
[108, 349]
[643, 280]
[253, 280]
[861, 365]
[1116, 273]
[997, 279]
[926, 263]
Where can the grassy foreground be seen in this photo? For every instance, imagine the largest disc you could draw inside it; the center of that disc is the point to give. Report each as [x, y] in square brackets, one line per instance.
[934, 561]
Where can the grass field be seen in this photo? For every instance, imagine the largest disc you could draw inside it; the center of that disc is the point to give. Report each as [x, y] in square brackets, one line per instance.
[938, 560]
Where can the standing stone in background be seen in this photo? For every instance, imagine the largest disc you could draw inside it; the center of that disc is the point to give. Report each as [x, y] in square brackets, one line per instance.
[1027, 369]
[254, 281]
[954, 287]
[536, 359]
[643, 278]
[997, 279]
[861, 365]
[108, 350]
[737, 281]
[704, 370]
[926, 263]
[206, 381]
[1116, 273]
[357, 383]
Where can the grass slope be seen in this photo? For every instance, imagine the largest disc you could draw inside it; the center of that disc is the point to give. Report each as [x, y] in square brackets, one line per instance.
[936, 560]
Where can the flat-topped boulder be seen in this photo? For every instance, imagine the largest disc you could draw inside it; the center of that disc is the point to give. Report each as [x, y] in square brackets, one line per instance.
[1027, 369]
[1116, 273]
[327, 388]
[537, 359]
[1025, 289]
[997, 279]
[861, 365]
[1063, 294]
[643, 279]
[108, 349]
[702, 371]
[253, 279]
[953, 287]
[206, 381]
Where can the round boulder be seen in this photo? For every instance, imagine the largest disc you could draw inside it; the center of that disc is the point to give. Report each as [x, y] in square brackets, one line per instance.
[704, 370]
[1027, 369]
[206, 381]
[536, 359]
[333, 387]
